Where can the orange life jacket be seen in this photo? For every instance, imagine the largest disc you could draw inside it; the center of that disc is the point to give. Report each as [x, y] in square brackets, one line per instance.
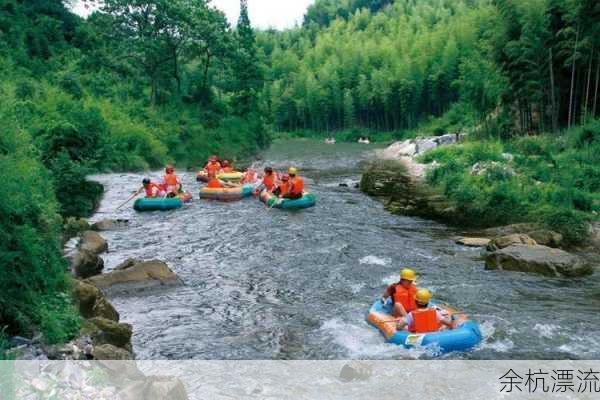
[406, 297]
[249, 177]
[284, 188]
[213, 168]
[214, 183]
[269, 181]
[228, 170]
[297, 186]
[171, 180]
[152, 190]
[424, 321]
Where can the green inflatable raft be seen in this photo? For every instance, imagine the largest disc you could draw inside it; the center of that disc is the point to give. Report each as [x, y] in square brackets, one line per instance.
[306, 201]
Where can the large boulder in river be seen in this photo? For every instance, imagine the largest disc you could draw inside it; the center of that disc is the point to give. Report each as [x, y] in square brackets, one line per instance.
[110, 224]
[136, 276]
[93, 242]
[508, 240]
[85, 264]
[538, 259]
[92, 303]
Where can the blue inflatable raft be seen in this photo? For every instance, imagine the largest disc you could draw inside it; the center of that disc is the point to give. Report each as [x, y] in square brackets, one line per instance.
[464, 334]
[157, 204]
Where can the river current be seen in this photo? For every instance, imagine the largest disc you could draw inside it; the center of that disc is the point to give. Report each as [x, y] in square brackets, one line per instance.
[269, 284]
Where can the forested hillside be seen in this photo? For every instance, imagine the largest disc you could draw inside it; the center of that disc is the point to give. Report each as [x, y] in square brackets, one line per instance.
[134, 86]
[528, 66]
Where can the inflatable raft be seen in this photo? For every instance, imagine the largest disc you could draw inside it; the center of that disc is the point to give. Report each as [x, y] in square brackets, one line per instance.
[157, 204]
[226, 194]
[202, 176]
[306, 201]
[230, 176]
[463, 335]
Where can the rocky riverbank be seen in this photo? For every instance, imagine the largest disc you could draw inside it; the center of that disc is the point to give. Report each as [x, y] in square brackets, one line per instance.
[103, 336]
[397, 179]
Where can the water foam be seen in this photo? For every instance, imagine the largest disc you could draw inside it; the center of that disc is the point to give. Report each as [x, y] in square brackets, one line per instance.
[374, 260]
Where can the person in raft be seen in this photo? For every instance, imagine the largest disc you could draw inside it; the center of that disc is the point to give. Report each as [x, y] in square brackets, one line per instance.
[171, 182]
[213, 166]
[250, 177]
[296, 185]
[402, 293]
[284, 186]
[227, 168]
[152, 189]
[213, 182]
[425, 318]
[269, 181]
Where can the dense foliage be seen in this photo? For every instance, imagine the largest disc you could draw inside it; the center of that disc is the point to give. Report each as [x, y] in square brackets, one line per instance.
[134, 86]
[525, 66]
[545, 179]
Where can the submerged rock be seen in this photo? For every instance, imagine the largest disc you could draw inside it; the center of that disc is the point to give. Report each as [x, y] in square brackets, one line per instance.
[356, 371]
[110, 224]
[134, 275]
[93, 242]
[538, 259]
[473, 241]
[155, 388]
[508, 240]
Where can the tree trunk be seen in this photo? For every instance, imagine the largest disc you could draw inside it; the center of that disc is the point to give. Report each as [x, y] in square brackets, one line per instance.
[587, 88]
[596, 90]
[553, 94]
[573, 79]
[206, 67]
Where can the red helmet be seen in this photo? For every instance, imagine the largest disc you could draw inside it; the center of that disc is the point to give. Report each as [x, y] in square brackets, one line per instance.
[285, 177]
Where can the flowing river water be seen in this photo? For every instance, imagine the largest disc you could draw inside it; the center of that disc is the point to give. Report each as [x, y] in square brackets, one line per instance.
[270, 284]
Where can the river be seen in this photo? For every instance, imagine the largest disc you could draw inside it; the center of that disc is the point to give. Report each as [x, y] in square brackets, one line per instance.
[269, 284]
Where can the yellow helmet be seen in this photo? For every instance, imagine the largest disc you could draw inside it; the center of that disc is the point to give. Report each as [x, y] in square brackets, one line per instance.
[423, 296]
[408, 274]
[293, 171]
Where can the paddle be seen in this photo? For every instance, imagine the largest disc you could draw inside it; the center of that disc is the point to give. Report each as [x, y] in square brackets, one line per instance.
[129, 199]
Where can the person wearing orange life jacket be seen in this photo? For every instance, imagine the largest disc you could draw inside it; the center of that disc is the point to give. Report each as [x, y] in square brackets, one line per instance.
[171, 182]
[250, 176]
[296, 185]
[152, 189]
[269, 180]
[425, 318]
[402, 293]
[213, 166]
[284, 186]
[227, 168]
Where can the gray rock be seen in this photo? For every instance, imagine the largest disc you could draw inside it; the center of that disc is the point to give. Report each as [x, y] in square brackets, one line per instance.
[511, 229]
[155, 388]
[85, 264]
[547, 238]
[110, 224]
[110, 352]
[105, 331]
[538, 259]
[473, 242]
[356, 371]
[93, 242]
[508, 240]
[139, 276]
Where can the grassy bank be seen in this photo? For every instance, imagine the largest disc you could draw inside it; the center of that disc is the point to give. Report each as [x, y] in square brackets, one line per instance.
[550, 179]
